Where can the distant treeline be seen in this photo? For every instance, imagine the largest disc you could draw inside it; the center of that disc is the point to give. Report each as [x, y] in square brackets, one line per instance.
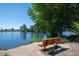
[22, 28]
[6, 30]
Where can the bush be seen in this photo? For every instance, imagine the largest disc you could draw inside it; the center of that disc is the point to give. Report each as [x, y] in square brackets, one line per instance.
[64, 40]
[35, 39]
[72, 37]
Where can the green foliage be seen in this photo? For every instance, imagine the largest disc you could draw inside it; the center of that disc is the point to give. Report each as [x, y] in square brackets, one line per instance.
[35, 39]
[65, 39]
[54, 18]
[12, 29]
[76, 26]
[32, 28]
[23, 28]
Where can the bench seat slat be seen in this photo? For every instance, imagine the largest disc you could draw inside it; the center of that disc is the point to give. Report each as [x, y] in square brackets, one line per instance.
[50, 41]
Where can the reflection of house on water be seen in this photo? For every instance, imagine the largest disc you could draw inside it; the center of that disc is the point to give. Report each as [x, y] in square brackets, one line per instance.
[23, 35]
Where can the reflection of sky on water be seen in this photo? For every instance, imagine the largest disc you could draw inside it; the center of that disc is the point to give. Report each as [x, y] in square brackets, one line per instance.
[13, 39]
[67, 33]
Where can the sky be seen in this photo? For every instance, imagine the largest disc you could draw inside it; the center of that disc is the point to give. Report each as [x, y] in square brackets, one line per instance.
[14, 15]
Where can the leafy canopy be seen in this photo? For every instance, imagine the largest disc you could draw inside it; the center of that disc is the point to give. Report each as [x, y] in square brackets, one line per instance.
[54, 18]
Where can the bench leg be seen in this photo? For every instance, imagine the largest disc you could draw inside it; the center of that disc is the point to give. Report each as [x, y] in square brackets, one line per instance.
[44, 47]
[56, 44]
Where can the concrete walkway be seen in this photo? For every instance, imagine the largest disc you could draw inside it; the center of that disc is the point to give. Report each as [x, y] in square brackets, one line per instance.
[73, 49]
[27, 50]
[34, 50]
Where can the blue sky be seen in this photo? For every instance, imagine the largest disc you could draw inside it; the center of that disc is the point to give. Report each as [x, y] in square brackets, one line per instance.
[14, 15]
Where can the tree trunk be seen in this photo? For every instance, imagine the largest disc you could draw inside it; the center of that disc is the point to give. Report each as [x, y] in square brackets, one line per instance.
[60, 33]
[54, 34]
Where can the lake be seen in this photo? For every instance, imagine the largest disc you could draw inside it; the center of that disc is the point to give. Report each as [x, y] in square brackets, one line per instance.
[10, 40]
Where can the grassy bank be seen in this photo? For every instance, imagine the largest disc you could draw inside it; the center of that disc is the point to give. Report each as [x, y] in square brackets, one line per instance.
[35, 39]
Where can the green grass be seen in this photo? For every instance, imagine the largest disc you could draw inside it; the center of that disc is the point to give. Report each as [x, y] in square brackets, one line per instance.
[35, 39]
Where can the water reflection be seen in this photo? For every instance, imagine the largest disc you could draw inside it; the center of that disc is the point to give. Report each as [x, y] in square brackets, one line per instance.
[38, 35]
[32, 34]
[12, 34]
[12, 39]
[23, 35]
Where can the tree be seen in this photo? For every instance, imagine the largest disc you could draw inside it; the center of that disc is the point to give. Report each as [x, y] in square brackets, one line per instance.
[54, 18]
[6, 30]
[31, 29]
[1, 29]
[76, 26]
[23, 28]
[12, 29]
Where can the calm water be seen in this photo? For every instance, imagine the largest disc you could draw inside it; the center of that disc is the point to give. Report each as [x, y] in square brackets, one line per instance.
[10, 40]
[13, 39]
[67, 33]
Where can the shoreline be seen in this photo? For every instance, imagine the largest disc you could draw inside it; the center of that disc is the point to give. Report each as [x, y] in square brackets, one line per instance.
[69, 49]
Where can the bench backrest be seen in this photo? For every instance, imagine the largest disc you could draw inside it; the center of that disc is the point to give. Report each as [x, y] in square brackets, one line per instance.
[51, 41]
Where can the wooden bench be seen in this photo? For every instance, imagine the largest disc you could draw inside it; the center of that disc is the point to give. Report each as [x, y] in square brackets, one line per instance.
[50, 41]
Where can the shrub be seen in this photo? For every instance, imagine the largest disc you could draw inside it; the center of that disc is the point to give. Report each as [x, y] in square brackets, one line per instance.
[35, 39]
